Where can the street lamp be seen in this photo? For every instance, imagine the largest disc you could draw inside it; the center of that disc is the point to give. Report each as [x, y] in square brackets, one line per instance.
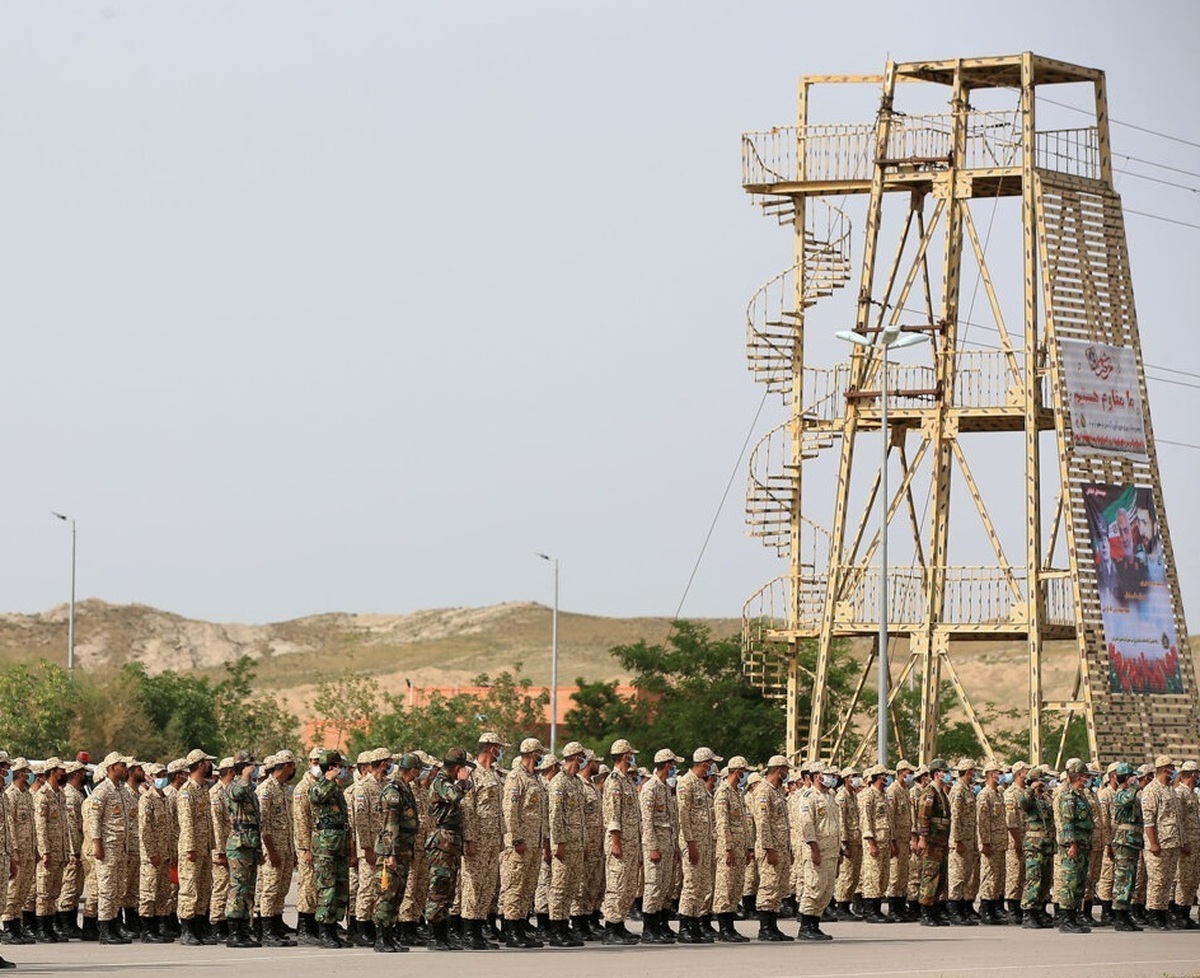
[553, 657]
[71, 613]
[889, 336]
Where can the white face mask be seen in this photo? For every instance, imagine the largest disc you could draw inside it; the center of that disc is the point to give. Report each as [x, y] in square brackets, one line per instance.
[856, 782]
[829, 780]
[315, 770]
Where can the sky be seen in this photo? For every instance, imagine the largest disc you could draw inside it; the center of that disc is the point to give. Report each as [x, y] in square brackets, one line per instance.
[317, 307]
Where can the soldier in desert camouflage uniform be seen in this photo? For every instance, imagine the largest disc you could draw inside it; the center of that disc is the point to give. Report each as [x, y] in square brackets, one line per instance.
[53, 842]
[195, 851]
[154, 837]
[660, 848]
[73, 874]
[568, 835]
[220, 829]
[24, 843]
[992, 832]
[733, 846]
[279, 846]
[306, 892]
[109, 828]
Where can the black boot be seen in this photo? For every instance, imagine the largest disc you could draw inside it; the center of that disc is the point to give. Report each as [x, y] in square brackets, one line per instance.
[274, 936]
[1123, 922]
[1071, 924]
[768, 929]
[130, 923]
[895, 914]
[566, 934]
[929, 916]
[90, 930]
[612, 936]
[1014, 915]
[187, 932]
[150, 931]
[728, 933]
[1185, 918]
[581, 928]
[239, 934]
[1172, 916]
[329, 937]
[635, 911]
[872, 912]
[383, 942]
[788, 908]
[1137, 913]
[687, 931]
[664, 927]
[109, 933]
[45, 930]
[810, 929]
[6, 964]
[651, 933]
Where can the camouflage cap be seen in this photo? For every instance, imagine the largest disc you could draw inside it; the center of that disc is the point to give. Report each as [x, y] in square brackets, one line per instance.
[457, 756]
[180, 765]
[667, 756]
[197, 755]
[284, 757]
[589, 755]
[938, 764]
[573, 749]
[364, 757]
[903, 765]
[816, 767]
[1123, 769]
[604, 771]
[314, 753]
[621, 746]
[408, 762]
[737, 763]
[921, 770]
[702, 754]
[4, 758]
[328, 758]
[991, 764]
[224, 764]
[1145, 770]
[1075, 766]
[51, 764]
[492, 739]
[850, 772]
[111, 759]
[874, 771]
[37, 767]
[531, 745]
[548, 761]
[1035, 773]
[1163, 760]
[754, 778]
[1188, 766]
[1112, 768]
[154, 769]
[964, 764]
[72, 766]
[240, 757]
[1019, 766]
[378, 754]
[778, 760]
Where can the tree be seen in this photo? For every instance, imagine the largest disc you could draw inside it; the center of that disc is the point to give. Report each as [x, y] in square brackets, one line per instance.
[252, 721]
[37, 709]
[345, 705]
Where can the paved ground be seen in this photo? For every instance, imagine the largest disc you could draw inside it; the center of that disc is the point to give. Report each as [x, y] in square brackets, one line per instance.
[858, 951]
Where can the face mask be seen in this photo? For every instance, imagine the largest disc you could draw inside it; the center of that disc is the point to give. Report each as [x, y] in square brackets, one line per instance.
[672, 780]
[829, 780]
[256, 773]
[160, 783]
[856, 782]
[712, 769]
[315, 771]
[498, 754]
[742, 779]
[887, 782]
[908, 780]
[947, 778]
[977, 788]
[1052, 784]
[1006, 779]
[426, 771]
[632, 759]
[673, 773]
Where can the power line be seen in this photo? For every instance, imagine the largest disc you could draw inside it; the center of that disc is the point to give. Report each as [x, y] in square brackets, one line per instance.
[1174, 370]
[1159, 217]
[1165, 183]
[1118, 122]
[1161, 166]
[1177, 444]
[1176, 383]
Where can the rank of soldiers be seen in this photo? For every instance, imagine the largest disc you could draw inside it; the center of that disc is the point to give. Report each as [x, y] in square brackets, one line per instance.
[463, 853]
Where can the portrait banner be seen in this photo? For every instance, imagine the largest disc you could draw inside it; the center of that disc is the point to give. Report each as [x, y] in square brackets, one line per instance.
[1135, 595]
[1103, 399]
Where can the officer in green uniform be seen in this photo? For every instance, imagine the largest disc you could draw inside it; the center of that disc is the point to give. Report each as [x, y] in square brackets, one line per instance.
[1038, 848]
[444, 846]
[1127, 843]
[243, 850]
[1075, 846]
[933, 842]
[394, 849]
[330, 847]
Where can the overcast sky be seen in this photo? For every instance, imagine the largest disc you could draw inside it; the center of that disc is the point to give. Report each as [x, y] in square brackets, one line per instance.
[314, 306]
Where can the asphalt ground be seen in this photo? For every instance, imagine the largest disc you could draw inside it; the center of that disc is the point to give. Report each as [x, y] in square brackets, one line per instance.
[857, 951]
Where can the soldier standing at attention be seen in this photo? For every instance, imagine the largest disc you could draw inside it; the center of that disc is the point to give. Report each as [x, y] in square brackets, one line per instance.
[53, 843]
[524, 793]
[394, 850]
[154, 858]
[900, 810]
[445, 844]
[1188, 874]
[1161, 816]
[1014, 857]
[302, 829]
[108, 826]
[821, 838]
[1037, 840]
[696, 835]
[243, 850]
[734, 849]
[568, 835]
[413, 905]
[195, 851]
[24, 843]
[1075, 816]
[846, 888]
[367, 821]
[993, 844]
[772, 847]
[921, 782]
[1103, 839]
[220, 829]
[964, 846]
[591, 890]
[1127, 842]
[279, 846]
[72, 886]
[879, 843]
[330, 847]
[8, 866]
[933, 841]
[623, 843]
[659, 816]
[483, 839]
[129, 903]
[177, 771]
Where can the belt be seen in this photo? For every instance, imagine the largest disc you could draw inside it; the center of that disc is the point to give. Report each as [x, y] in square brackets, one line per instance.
[1132, 827]
[243, 826]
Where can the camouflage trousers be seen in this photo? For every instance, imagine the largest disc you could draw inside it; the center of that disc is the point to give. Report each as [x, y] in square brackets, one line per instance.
[133, 874]
[91, 898]
[1104, 886]
[480, 881]
[848, 874]
[274, 883]
[413, 904]
[72, 886]
[443, 882]
[154, 888]
[934, 865]
[49, 884]
[898, 874]
[391, 894]
[1039, 870]
[306, 890]
[730, 882]
[521, 874]
[21, 885]
[875, 870]
[1014, 871]
[110, 883]
[566, 881]
[696, 896]
[220, 892]
[195, 885]
[621, 877]
[1186, 878]
[243, 876]
[818, 880]
[1074, 877]
[1125, 871]
[963, 882]
[591, 888]
[1160, 877]
[364, 897]
[331, 878]
[773, 881]
[991, 874]
[658, 877]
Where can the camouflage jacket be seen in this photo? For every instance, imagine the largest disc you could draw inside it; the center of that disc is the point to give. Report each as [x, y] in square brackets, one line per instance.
[245, 820]
[445, 814]
[400, 820]
[330, 819]
[1127, 819]
[1075, 816]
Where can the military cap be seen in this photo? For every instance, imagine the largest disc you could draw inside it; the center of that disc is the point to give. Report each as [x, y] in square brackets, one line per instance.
[573, 749]
[642, 772]
[531, 745]
[666, 755]
[37, 767]
[621, 746]
[1123, 769]
[285, 757]
[364, 757]
[1188, 766]
[1163, 760]
[224, 764]
[903, 765]
[1144, 770]
[327, 758]
[737, 762]
[548, 761]
[850, 772]
[938, 764]
[428, 759]
[51, 763]
[753, 779]
[816, 767]
[179, 764]
[920, 770]
[604, 771]
[314, 753]
[1036, 773]
[991, 764]
[778, 760]
[874, 771]
[589, 755]
[702, 754]
[20, 764]
[408, 762]
[491, 738]
[457, 756]
[110, 759]
[1112, 768]
[1019, 766]
[242, 757]
[197, 755]
[268, 763]
[72, 766]
[154, 769]
[4, 758]
[964, 764]
[380, 754]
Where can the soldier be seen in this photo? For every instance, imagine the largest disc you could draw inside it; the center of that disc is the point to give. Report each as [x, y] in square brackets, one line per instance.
[154, 857]
[900, 811]
[279, 845]
[920, 784]
[8, 866]
[444, 845]
[195, 851]
[524, 840]
[330, 847]
[1137, 911]
[352, 789]
[623, 843]
[1014, 857]
[991, 828]
[243, 850]
[821, 842]
[24, 843]
[109, 828]
[366, 819]
[134, 780]
[1104, 841]
[734, 849]
[772, 848]
[1075, 817]
[879, 843]
[659, 813]
[219, 814]
[568, 835]
[846, 888]
[306, 893]
[1127, 842]
[964, 847]
[591, 890]
[696, 837]
[750, 889]
[53, 844]
[483, 839]
[413, 905]
[1161, 817]
[547, 768]
[177, 772]
[394, 851]
[933, 841]
[1188, 874]
[72, 885]
[1037, 841]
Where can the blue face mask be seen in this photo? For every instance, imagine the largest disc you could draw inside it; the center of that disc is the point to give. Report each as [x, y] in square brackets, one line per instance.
[672, 780]
[977, 788]
[1006, 778]
[947, 778]
[161, 783]
[742, 779]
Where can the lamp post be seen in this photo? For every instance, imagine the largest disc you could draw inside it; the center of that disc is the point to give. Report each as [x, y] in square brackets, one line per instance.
[71, 613]
[889, 336]
[553, 658]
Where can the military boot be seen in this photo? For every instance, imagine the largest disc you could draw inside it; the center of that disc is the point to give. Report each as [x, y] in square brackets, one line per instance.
[239, 934]
[788, 908]
[687, 933]
[109, 933]
[383, 942]
[1071, 924]
[664, 928]
[929, 917]
[273, 934]
[1184, 913]
[728, 933]
[810, 929]
[708, 933]
[6, 964]
[90, 930]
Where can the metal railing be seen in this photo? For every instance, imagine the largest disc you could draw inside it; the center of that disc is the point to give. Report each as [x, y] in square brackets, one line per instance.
[1072, 151]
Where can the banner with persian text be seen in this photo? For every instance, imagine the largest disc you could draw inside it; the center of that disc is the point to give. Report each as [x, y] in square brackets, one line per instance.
[1135, 595]
[1103, 398]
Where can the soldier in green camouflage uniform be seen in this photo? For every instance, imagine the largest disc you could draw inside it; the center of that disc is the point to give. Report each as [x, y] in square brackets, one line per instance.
[1037, 845]
[1127, 843]
[933, 841]
[243, 850]
[330, 848]
[1075, 845]
[444, 846]
[394, 850]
